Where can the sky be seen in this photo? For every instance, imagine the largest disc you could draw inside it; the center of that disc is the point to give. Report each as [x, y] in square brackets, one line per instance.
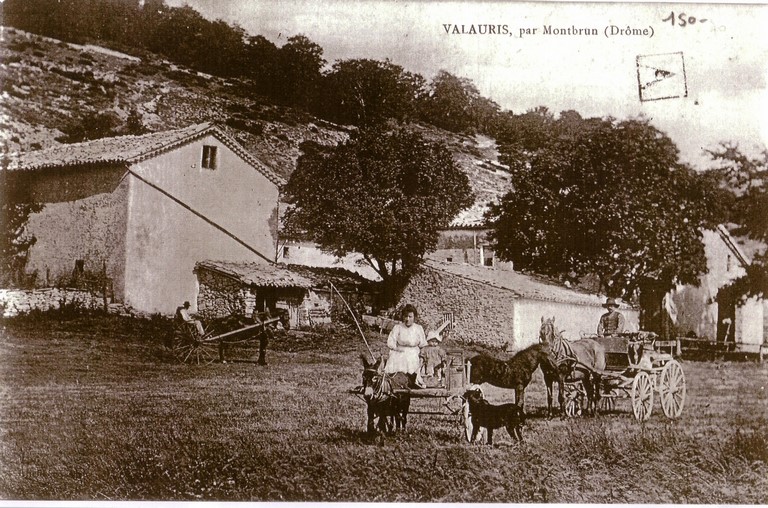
[713, 68]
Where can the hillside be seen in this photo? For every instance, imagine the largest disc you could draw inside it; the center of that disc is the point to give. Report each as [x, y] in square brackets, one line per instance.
[48, 86]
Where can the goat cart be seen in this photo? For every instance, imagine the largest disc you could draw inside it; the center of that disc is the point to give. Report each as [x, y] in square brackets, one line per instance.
[638, 365]
[203, 345]
[444, 398]
[440, 397]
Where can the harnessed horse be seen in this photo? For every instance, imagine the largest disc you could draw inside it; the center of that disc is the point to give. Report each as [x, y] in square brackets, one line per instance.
[382, 401]
[582, 361]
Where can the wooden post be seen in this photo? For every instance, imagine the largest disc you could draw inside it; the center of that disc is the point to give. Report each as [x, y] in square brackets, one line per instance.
[104, 285]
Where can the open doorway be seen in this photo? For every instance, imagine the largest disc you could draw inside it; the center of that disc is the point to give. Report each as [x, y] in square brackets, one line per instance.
[726, 316]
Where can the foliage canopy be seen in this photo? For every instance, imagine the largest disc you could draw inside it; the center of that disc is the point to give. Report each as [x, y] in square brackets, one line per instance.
[384, 195]
[605, 198]
[747, 178]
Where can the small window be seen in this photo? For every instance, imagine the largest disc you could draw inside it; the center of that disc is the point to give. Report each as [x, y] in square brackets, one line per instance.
[450, 260]
[285, 252]
[209, 157]
[488, 261]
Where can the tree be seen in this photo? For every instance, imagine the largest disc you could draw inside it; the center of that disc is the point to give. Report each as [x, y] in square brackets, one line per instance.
[385, 195]
[747, 177]
[366, 92]
[15, 239]
[604, 198]
[300, 62]
[451, 103]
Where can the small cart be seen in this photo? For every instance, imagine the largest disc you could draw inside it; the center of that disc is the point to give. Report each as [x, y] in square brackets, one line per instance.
[188, 345]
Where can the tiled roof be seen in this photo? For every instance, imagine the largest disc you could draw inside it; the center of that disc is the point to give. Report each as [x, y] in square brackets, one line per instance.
[471, 218]
[519, 284]
[130, 149]
[284, 276]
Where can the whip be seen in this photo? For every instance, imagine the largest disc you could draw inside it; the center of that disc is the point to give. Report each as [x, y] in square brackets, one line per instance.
[373, 358]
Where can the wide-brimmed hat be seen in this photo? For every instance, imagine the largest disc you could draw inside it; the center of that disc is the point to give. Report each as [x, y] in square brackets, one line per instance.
[434, 335]
[610, 302]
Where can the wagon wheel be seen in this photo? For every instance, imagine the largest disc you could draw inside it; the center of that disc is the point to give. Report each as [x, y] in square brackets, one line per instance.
[572, 408]
[574, 404]
[672, 389]
[607, 403]
[189, 347]
[642, 396]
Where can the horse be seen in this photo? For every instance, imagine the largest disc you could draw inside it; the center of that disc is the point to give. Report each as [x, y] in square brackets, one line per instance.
[382, 401]
[581, 360]
[515, 373]
[269, 319]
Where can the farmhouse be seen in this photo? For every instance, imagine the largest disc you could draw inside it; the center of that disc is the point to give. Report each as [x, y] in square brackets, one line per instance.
[142, 210]
[244, 288]
[502, 307]
[712, 310]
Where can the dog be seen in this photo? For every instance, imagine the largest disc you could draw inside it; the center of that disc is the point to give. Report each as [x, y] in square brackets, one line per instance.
[491, 417]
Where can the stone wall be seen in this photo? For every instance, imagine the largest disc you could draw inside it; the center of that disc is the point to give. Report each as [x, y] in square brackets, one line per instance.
[482, 313]
[221, 296]
[91, 229]
[14, 302]
[493, 316]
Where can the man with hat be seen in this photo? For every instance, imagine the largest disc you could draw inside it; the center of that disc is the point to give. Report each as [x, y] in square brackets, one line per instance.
[611, 322]
[183, 315]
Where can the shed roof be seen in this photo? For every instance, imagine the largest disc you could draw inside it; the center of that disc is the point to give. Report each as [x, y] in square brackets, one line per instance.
[130, 149]
[520, 285]
[286, 276]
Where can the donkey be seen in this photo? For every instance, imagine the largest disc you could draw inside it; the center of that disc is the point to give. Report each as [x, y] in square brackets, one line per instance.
[382, 401]
[581, 360]
[515, 373]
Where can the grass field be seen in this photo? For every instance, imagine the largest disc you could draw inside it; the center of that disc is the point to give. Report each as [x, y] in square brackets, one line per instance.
[93, 408]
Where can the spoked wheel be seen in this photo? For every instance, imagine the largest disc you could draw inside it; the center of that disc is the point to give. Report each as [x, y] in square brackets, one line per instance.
[672, 389]
[574, 404]
[642, 396]
[572, 408]
[188, 347]
[607, 404]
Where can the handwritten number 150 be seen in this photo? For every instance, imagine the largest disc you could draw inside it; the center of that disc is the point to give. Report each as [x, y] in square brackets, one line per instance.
[682, 19]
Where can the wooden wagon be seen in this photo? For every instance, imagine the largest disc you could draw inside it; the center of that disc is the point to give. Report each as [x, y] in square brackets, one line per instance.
[638, 366]
[189, 345]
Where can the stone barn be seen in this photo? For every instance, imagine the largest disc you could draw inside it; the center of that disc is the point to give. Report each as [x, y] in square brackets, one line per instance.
[502, 308]
[227, 288]
[142, 210]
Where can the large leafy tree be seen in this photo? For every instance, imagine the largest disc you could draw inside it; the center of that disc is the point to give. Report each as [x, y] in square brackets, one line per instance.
[455, 104]
[300, 62]
[747, 177]
[385, 195]
[366, 92]
[603, 198]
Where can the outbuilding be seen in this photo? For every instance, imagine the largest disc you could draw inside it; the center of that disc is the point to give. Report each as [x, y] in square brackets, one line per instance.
[140, 211]
[503, 308]
[310, 294]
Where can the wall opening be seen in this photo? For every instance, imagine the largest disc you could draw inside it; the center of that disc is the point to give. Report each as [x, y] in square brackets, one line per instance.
[209, 157]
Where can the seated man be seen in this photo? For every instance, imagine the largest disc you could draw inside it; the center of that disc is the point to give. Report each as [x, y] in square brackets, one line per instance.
[183, 315]
[612, 322]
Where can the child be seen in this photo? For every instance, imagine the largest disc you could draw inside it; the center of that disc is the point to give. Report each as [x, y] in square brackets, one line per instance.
[434, 357]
